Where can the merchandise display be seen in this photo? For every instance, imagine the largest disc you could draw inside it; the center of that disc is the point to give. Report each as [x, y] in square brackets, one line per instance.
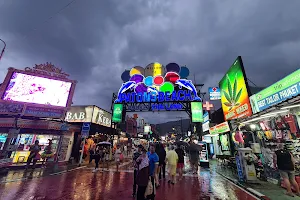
[273, 134]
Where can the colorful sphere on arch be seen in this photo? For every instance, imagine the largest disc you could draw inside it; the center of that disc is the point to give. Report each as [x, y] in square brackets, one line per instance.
[155, 76]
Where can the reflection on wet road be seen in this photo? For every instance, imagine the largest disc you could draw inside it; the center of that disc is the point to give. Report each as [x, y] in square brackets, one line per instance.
[84, 185]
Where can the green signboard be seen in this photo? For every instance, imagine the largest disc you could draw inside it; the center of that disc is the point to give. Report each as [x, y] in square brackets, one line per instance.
[280, 91]
[197, 111]
[117, 113]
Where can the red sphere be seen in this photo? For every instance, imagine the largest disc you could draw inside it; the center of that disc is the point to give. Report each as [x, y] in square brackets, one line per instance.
[172, 77]
[158, 80]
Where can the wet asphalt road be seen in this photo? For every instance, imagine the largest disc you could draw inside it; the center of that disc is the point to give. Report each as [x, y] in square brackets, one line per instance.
[82, 184]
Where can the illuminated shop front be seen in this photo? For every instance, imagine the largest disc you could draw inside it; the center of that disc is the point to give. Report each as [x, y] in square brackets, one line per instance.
[221, 138]
[100, 125]
[24, 141]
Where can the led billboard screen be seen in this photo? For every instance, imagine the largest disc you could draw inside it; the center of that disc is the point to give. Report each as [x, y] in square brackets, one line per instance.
[35, 89]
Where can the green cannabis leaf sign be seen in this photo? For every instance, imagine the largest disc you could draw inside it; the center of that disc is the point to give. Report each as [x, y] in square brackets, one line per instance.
[232, 96]
[234, 93]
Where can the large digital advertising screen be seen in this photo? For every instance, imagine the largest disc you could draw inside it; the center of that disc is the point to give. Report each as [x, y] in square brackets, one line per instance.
[234, 92]
[34, 89]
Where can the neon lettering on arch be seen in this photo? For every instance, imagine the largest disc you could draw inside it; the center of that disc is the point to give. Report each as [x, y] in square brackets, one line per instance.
[157, 84]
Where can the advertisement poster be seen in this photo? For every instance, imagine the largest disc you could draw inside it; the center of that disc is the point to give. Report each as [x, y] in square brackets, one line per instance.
[214, 93]
[117, 113]
[197, 112]
[282, 90]
[234, 94]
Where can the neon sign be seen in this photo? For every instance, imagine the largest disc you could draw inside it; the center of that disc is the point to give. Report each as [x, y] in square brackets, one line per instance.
[157, 84]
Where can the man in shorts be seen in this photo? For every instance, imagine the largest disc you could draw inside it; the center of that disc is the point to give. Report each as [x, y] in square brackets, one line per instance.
[286, 166]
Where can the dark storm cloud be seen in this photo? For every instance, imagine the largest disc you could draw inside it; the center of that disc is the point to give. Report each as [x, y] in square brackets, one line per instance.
[95, 41]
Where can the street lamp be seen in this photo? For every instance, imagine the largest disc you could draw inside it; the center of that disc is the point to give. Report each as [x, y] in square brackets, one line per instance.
[2, 52]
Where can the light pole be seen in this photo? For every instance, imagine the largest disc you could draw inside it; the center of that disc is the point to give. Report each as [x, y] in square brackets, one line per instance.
[2, 52]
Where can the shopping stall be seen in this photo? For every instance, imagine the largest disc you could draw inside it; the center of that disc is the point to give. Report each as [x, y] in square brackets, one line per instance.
[220, 135]
[29, 131]
[275, 124]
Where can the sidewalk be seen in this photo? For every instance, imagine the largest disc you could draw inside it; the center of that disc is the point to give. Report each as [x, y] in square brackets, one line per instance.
[261, 188]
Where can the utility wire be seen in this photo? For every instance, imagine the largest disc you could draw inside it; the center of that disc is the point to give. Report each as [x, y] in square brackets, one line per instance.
[52, 16]
[252, 82]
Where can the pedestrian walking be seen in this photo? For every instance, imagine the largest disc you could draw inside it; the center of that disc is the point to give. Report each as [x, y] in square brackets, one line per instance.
[34, 155]
[106, 152]
[125, 151]
[172, 160]
[136, 155]
[194, 157]
[286, 166]
[153, 165]
[97, 157]
[142, 176]
[180, 164]
[91, 152]
[162, 161]
[118, 153]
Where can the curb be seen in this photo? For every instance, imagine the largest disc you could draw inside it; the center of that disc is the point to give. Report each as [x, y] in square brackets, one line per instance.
[250, 190]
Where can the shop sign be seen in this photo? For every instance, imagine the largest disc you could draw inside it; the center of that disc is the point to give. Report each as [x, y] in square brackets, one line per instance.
[79, 114]
[220, 128]
[11, 108]
[101, 117]
[214, 93]
[234, 93]
[282, 90]
[42, 111]
[197, 112]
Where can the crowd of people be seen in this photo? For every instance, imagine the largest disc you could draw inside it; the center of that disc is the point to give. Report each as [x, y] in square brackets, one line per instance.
[150, 168]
